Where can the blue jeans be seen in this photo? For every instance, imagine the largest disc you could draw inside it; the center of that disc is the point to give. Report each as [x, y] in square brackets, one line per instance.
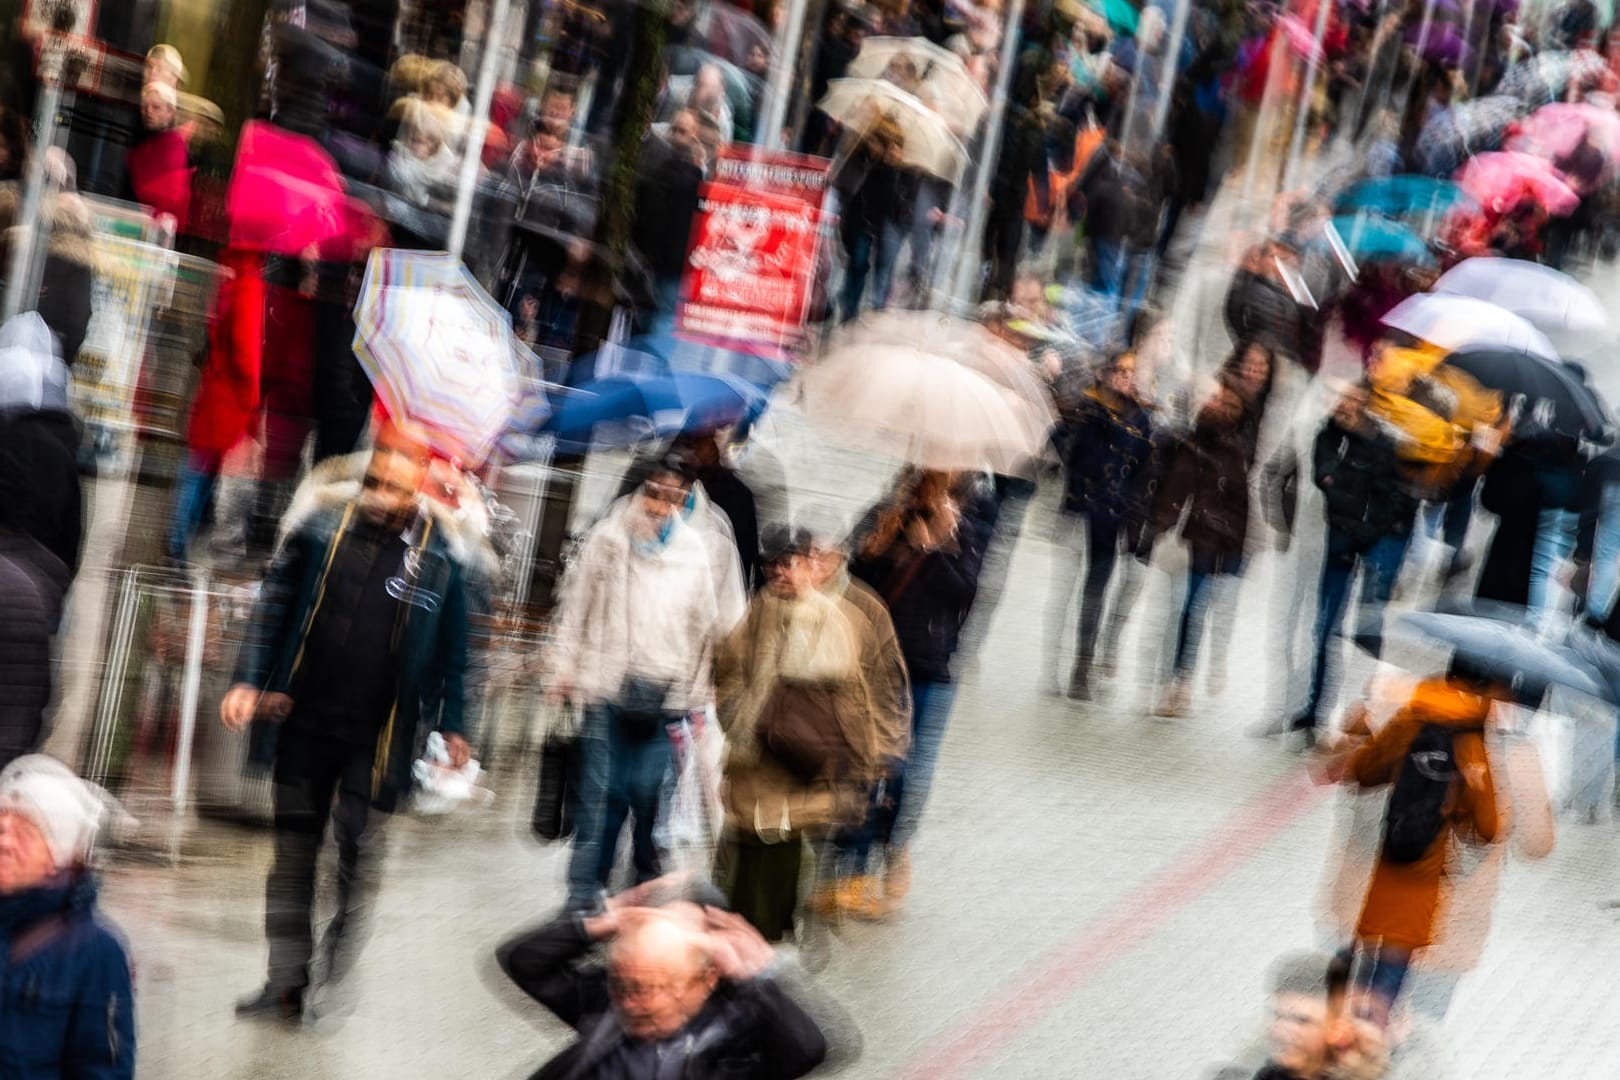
[1194, 610]
[930, 712]
[1600, 590]
[863, 250]
[193, 491]
[619, 777]
[1380, 566]
[1555, 542]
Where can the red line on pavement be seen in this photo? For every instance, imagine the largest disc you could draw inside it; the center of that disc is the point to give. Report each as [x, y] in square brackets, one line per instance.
[1046, 983]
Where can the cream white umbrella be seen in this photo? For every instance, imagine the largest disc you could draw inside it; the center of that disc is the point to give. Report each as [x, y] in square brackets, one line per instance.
[924, 405]
[929, 145]
[937, 77]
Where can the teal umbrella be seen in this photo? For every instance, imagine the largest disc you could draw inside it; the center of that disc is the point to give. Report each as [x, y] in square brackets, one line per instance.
[1122, 15]
[1367, 238]
[1402, 196]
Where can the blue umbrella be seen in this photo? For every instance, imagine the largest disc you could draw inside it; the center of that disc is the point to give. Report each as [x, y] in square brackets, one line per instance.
[662, 352]
[1398, 196]
[1375, 239]
[626, 409]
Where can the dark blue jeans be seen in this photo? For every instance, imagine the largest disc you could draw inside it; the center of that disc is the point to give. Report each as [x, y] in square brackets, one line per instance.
[1380, 566]
[1194, 611]
[896, 805]
[193, 492]
[620, 777]
[875, 254]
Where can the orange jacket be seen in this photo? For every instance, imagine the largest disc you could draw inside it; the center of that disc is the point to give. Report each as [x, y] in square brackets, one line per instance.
[1403, 900]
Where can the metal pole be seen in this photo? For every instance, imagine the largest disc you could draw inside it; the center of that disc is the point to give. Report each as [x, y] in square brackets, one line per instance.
[967, 259]
[1178, 34]
[473, 155]
[1296, 145]
[190, 690]
[768, 130]
[22, 292]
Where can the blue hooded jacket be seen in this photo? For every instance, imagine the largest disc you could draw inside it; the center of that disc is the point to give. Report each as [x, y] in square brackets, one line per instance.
[67, 1005]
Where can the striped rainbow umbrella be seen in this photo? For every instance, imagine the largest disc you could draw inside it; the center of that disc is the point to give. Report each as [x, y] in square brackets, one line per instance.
[441, 352]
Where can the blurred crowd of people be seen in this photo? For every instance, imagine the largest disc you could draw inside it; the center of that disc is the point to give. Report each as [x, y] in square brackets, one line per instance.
[760, 697]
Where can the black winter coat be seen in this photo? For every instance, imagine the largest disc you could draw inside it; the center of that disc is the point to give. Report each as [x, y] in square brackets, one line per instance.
[1205, 490]
[39, 480]
[930, 593]
[32, 584]
[747, 1031]
[1358, 474]
[1109, 461]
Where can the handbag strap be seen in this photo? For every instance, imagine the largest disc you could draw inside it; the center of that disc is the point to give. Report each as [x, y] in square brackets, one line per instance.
[897, 585]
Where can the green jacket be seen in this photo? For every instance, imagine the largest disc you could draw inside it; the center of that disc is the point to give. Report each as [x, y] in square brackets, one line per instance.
[434, 634]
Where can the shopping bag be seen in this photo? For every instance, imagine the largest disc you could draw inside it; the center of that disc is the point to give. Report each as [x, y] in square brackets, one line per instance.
[689, 822]
[556, 797]
[440, 786]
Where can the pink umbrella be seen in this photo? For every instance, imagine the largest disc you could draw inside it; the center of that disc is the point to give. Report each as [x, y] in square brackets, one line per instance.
[1555, 131]
[1302, 38]
[1499, 181]
[287, 195]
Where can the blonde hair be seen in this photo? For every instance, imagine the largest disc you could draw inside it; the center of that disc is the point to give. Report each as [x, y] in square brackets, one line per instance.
[169, 57]
[163, 92]
[410, 72]
[447, 77]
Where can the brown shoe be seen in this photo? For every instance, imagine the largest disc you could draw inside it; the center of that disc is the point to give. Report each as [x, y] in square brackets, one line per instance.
[1173, 703]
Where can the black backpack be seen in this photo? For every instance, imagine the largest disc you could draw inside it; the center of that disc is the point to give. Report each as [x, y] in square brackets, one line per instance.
[1417, 804]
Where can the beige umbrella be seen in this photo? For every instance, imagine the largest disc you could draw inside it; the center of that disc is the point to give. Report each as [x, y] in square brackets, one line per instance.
[937, 77]
[924, 405]
[967, 342]
[858, 104]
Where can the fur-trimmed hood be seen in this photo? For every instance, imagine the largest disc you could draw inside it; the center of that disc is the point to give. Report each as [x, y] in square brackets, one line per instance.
[72, 232]
[335, 482]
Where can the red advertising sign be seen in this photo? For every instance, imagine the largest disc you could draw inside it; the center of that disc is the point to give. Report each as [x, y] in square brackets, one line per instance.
[751, 266]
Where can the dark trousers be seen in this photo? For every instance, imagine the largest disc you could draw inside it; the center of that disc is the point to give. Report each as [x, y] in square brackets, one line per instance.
[1380, 565]
[317, 778]
[762, 882]
[1194, 612]
[1102, 551]
[622, 778]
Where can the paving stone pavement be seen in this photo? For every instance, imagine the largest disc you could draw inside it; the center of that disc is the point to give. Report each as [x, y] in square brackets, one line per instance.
[1094, 896]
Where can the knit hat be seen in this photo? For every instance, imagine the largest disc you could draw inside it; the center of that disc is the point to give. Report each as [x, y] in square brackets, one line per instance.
[65, 809]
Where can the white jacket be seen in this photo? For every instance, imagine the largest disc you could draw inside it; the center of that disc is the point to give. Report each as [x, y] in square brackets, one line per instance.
[628, 612]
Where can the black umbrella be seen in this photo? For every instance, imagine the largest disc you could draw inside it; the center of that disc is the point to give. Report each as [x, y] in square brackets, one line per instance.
[1548, 398]
[1497, 647]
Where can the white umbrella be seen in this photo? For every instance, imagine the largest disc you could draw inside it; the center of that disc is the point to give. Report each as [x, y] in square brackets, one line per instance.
[1459, 322]
[858, 104]
[938, 77]
[441, 352]
[923, 406]
[968, 343]
[1554, 302]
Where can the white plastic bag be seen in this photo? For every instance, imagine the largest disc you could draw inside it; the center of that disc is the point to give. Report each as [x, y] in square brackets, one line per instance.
[440, 787]
[689, 823]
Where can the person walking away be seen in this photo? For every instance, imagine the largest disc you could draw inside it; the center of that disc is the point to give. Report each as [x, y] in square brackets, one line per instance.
[1431, 754]
[1369, 521]
[922, 555]
[633, 644]
[1108, 460]
[1205, 494]
[685, 991]
[810, 691]
[360, 637]
[67, 1004]
[875, 191]
[33, 584]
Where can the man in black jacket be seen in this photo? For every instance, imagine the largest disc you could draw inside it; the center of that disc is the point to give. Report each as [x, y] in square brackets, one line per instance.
[1369, 518]
[686, 992]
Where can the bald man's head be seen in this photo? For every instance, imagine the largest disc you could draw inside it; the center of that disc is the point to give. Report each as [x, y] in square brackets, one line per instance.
[660, 974]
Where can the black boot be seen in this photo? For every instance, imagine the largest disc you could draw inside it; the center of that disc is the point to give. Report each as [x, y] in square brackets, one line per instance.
[1080, 682]
[274, 1003]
